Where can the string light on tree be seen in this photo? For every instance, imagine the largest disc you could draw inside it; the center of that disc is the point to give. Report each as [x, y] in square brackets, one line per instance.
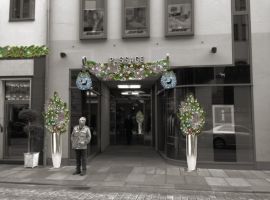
[191, 116]
[56, 115]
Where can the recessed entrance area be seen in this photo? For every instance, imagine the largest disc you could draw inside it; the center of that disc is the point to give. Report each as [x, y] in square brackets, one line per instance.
[131, 112]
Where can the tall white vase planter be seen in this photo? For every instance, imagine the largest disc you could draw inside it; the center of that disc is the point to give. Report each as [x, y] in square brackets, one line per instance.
[56, 149]
[56, 118]
[191, 152]
[192, 120]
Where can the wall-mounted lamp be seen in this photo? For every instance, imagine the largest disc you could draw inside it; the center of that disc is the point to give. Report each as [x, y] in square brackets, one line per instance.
[214, 50]
[63, 54]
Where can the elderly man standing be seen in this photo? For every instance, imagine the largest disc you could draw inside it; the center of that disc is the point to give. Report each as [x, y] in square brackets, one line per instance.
[80, 137]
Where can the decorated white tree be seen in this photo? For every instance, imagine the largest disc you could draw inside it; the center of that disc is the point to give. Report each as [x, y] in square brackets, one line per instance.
[139, 119]
[192, 120]
[191, 116]
[56, 118]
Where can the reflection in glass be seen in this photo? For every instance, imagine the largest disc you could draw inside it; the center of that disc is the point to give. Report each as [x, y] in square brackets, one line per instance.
[17, 90]
[16, 140]
[228, 133]
[26, 8]
[240, 5]
[93, 22]
[136, 20]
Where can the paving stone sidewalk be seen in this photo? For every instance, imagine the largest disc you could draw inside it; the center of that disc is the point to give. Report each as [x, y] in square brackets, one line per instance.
[129, 171]
[28, 192]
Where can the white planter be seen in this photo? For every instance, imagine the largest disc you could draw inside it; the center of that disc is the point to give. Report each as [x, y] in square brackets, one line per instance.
[56, 144]
[191, 151]
[31, 159]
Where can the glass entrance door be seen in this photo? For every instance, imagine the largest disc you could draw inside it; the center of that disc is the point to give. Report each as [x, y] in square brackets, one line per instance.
[15, 137]
[16, 98]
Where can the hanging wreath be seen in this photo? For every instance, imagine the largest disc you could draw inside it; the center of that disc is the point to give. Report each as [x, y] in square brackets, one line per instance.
[127, 71]
[56, 115]
[191, 116]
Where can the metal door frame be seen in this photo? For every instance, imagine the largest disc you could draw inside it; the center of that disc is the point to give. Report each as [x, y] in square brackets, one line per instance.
[5, 102]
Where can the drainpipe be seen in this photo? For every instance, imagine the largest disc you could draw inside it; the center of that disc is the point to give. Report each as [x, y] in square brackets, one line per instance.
[45, 149]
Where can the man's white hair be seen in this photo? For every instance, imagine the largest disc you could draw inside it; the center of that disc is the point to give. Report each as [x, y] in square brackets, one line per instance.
[82, 118]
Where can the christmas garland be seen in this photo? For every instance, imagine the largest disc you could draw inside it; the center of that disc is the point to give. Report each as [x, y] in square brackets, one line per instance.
[191, 116]
[23, 51]
[56, 115]
[127, 71]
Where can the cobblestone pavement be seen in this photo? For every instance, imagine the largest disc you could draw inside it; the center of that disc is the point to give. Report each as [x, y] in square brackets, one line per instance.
[34, 192]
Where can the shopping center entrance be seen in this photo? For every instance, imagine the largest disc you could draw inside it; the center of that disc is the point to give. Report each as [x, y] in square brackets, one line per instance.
[131, 113]
[119, 113]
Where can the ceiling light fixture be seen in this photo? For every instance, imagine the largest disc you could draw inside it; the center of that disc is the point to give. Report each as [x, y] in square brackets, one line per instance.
[134, 86]
[131, 93]
[135, 93]
[129, 86]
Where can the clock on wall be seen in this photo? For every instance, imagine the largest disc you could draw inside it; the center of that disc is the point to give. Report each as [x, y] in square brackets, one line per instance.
[84, 81]
[168, 80]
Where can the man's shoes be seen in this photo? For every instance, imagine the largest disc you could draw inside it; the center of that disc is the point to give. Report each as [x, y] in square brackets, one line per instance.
[75, 173]
[83, 173]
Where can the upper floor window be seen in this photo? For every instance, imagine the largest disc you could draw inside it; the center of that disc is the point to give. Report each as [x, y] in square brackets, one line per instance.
[22, 10]
[240, 5]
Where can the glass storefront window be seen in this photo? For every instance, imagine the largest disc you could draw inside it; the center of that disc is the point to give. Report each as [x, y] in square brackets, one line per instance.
[17, 98]
[214, 75]
[228, 132]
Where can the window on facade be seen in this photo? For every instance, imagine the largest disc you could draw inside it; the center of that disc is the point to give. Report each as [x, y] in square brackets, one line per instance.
[21, 10]
[240, 5]
[240, 28]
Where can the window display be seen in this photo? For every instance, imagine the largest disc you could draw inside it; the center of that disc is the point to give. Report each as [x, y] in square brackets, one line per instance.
[228, 132]
[179, 17]
[135, 21]
[93, 19]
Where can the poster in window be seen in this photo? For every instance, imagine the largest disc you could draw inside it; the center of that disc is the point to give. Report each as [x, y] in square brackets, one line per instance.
[93, 19]
[135, 19]
[223, 119]
[179, 17]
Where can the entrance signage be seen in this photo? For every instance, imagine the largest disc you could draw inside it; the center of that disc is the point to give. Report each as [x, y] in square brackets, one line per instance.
[126, 60]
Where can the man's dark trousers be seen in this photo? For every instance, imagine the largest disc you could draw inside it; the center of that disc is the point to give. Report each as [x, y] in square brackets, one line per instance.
[81, 155]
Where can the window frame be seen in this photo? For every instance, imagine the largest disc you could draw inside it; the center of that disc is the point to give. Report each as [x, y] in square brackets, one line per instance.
[147, 21]
[31, 11]
[105, 25]
[166, 19]
[240, 12]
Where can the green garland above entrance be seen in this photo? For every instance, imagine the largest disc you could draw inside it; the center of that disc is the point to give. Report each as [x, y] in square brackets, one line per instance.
[23, 51]
[124, 71]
